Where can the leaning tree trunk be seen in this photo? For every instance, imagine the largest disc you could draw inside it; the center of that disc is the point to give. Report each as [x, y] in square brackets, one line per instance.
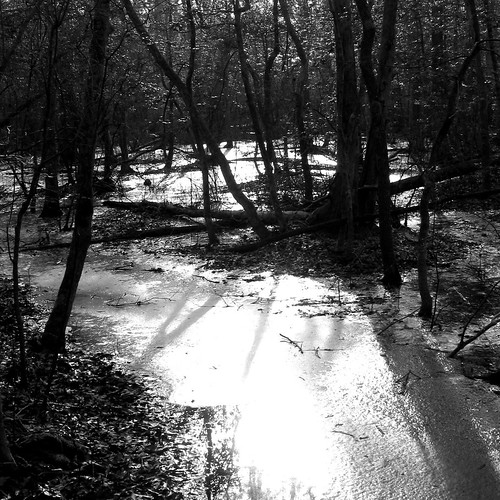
[212, 144]
[53, 338]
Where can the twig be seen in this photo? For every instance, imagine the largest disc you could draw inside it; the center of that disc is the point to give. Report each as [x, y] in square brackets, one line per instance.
[200, 276]
[473, 315]
[293, 342]
[138, 302]
[317, 350]
[345, 434]
[463, 343]
[405, 380]
[398, 320]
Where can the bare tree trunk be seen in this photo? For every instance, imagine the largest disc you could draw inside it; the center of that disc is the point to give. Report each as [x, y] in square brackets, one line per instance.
[267, 115]
[218, 156]
[205, 164]
[168, 136]
[482, 91]
[348, 113]
[110, 160]
[50, 156]
[53, 337]
[301, 102]
[6, 458]
[125, 167]
[20, 334]
[378, 87]
[257, 122]
[423, 244]
[493, 54]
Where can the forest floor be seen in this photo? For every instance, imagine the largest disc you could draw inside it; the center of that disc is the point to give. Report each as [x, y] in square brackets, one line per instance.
[108, 433]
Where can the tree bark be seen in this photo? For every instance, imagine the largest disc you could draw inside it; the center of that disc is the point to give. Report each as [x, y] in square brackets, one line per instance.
[493, 55]
[53, 337]
[204, 161]
[268, 114]
[378, 88]
[125, 167]
[348, 121]
[50, 153]
[484, 105]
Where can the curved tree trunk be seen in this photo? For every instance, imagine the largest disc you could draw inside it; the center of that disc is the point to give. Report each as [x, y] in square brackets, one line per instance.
[53, 337]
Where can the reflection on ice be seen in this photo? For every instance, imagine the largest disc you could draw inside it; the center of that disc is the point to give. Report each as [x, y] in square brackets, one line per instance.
[281, 437]
[236, 356]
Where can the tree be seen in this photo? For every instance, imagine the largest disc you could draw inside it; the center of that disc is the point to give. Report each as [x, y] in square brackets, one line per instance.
[200, 148]
[301, 101]
[6, 458]
[484, 103]
[490, 14]
[53, 337]
[257, 121]
[348, 121]
[50, 146]
[378, 89]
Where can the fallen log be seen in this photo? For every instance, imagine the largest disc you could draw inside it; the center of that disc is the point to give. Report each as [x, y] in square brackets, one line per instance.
[197, 213]
[172, 210]
[130, 235]
[333, 224]
[442, 174]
